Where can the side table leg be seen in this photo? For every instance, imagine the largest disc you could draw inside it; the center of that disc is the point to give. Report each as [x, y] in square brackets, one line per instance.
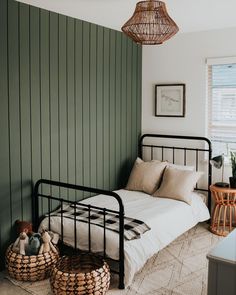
[224, 220]
[214, 219]
[219, 218]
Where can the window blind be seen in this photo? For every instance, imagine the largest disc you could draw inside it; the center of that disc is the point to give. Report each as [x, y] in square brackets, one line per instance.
[222, 107]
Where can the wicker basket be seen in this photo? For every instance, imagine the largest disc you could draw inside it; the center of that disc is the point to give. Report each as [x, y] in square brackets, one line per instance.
[80, 275]
[30, 268]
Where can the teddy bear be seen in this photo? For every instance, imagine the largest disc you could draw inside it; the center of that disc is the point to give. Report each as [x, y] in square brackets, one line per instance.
[34, 244]
[21, 243]
[23, 226]
[46, 243]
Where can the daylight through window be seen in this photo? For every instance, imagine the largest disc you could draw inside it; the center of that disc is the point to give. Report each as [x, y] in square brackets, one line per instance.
[222, 107]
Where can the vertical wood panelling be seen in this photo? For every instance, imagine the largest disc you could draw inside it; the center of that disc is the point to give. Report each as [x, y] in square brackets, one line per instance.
[134, 137]
[35, 93]
[86, 104]
[100, 110]
[106, 107]
[54, 91]
[79, 174]
[24, 53]
[70, 96]
[112, 111]
[14, 110]
[45, 97]
[124, 159]
[70, 102]
[139, 91]
[5, 183]
[93, 104]
[118, 108]
[62, 100]
[129, 103]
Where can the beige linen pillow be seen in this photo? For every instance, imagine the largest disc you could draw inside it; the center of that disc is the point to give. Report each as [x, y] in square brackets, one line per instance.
[146, 176]
[178, 184]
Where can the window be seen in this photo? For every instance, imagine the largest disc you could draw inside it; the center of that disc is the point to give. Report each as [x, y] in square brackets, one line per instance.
[222, 106]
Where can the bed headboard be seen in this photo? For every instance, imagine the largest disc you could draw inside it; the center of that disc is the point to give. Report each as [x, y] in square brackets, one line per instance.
[181, 150]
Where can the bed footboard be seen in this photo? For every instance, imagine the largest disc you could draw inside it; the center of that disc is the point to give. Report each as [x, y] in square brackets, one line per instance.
[48, 199]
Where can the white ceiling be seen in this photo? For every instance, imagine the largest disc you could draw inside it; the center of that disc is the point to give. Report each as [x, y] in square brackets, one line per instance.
[190, 15]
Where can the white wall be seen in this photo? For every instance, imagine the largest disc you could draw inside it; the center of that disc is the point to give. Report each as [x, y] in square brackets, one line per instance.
[182, 60]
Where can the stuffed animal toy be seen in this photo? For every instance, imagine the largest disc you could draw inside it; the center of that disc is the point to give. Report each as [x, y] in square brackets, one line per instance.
[21, 243]
[54, 237]
[47, 244]
[34, 244]
[23, 226]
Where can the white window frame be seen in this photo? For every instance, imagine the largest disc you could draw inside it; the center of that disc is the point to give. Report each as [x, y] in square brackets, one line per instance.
[212, 62]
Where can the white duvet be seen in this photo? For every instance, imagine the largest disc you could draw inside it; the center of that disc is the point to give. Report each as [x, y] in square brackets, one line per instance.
[167, 219]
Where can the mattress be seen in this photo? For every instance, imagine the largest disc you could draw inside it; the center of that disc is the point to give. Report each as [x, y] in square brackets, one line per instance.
[167, 219]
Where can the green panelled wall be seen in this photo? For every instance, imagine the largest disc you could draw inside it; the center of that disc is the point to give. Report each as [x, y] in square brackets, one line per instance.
[70, 94]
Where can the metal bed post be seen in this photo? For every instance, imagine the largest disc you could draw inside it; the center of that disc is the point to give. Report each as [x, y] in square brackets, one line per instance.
[35, 204]
[121, 249]
[209, 177]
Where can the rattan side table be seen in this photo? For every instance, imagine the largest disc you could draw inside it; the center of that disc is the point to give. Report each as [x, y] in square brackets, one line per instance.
[224, 213]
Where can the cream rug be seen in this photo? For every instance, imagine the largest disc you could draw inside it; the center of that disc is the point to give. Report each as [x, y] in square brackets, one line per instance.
[179, 269]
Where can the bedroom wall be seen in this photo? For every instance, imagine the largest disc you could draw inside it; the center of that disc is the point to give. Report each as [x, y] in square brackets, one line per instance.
[70, 109]
[183, 60]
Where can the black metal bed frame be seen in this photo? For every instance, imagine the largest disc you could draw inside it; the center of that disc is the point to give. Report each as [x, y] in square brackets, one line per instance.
[38, 195]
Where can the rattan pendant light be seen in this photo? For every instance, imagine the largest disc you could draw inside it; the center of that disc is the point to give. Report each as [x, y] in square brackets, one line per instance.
[150, 23]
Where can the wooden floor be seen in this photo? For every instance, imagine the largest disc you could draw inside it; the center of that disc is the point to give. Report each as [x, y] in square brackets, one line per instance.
[7, 288]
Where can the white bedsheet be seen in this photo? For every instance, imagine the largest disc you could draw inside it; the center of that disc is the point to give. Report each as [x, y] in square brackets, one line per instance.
[167, 218]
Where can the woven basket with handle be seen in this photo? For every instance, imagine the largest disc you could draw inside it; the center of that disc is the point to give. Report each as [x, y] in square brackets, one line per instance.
[80, 275]
[30, 268]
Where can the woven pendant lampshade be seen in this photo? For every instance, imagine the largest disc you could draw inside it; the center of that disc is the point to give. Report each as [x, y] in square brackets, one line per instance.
[150, 23]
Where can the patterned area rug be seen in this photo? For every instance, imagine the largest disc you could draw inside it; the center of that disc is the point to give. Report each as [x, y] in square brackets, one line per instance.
[179, 269]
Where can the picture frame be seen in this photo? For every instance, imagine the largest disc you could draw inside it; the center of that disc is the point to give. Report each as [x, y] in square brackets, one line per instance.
[170, 100]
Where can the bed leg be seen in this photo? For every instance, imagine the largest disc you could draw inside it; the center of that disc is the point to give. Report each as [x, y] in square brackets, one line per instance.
[121, 275]
[121, 283]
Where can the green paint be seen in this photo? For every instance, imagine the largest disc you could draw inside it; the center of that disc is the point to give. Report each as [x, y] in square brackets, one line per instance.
[70, 110]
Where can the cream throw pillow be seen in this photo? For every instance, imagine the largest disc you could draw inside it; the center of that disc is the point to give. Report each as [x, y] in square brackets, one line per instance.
[178, 184]
[146, 176]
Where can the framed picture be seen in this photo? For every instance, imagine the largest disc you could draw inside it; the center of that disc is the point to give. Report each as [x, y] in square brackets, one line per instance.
[170, 100]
